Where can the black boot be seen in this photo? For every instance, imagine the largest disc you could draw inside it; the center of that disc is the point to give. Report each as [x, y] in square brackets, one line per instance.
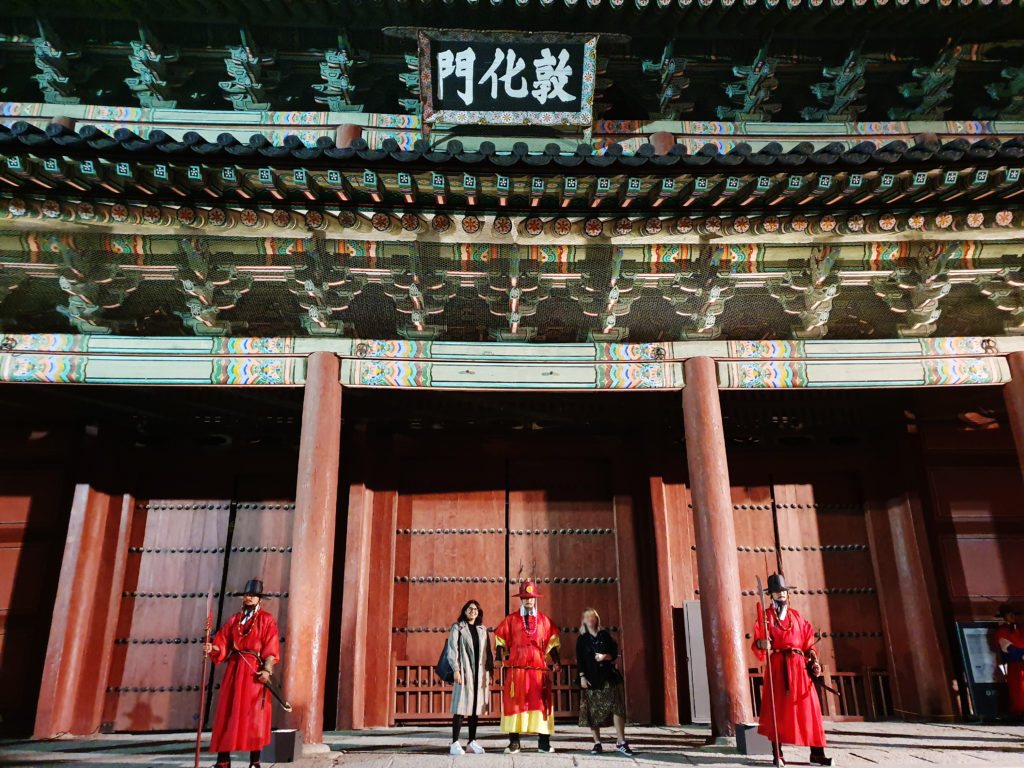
[513, 744]
[544, 743]
[818, 756]
[777, 758]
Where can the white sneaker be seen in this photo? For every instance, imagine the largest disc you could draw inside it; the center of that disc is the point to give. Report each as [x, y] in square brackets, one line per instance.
[456, 749]
[475, 748]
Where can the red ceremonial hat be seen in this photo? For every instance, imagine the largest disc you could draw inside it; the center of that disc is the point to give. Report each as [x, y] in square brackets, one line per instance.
[528, 589]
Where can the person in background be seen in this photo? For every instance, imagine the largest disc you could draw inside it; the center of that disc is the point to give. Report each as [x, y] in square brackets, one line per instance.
[1010, 639]
[469, 653]
[602, 701]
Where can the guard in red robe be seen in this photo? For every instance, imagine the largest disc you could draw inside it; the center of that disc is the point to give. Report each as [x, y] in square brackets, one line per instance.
[529, 640]
[248, 643]
[790, 710]
[1010, 639]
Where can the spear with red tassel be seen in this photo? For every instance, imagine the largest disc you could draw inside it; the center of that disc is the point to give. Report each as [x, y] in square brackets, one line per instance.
[206, 661]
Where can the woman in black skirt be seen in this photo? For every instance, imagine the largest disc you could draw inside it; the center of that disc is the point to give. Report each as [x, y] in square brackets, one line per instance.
[602, 702]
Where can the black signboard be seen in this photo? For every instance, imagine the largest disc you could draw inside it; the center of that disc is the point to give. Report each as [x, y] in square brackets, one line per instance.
[986, 677]
[506, 78]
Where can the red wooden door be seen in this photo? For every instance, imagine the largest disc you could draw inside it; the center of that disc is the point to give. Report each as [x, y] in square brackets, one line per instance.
[180, 551]
[755, 541]
[449, 549]
[462, 537]
[825, 555]
[562, 533]
[261, 543]
[175, 558]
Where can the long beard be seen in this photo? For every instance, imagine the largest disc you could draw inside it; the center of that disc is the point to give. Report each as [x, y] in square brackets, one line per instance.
[781, 609]
[248, 611]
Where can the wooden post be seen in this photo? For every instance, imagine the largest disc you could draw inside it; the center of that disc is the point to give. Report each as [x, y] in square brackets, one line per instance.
[312, 561]
[637, 689]
[81, 640]
[377, 706]
[1013, 394]
[917, 669]
[354, 608]
[672, 539]
[346, 134]
[715, 535]
[663, 141]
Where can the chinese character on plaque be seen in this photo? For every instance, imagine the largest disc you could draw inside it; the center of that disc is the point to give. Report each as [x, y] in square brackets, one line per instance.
[506, 78]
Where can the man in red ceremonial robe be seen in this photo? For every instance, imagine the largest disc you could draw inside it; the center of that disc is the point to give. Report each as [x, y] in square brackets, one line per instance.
[528, 639]
[249, 644]
[790, 710]
[1010, 639]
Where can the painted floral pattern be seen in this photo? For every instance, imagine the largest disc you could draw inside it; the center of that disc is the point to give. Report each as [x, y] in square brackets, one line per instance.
[652, 226]
[314, 219]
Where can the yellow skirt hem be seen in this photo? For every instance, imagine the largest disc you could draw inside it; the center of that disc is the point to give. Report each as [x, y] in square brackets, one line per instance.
[531, 721]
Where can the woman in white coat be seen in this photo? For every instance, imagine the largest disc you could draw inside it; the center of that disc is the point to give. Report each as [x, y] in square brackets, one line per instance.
[469, 653]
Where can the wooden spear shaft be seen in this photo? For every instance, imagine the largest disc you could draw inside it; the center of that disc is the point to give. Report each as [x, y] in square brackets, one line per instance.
[202, 687]
[768, 666]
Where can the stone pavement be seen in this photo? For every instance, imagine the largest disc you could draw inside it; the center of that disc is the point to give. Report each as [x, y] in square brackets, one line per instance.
[863, 745]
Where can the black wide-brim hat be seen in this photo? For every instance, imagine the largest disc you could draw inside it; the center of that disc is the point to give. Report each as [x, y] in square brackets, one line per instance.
[254, 587]
[777, 583]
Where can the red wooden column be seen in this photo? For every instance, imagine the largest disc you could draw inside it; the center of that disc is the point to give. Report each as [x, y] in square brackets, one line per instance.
[638, 698]
[355, 609]
[84, 615]
[1013, 394]
[917, 666]
[673, 536]
[365, 667]
[715, 536]
[316, 497]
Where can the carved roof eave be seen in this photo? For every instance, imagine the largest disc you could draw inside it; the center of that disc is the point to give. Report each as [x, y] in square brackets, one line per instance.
[540, 228]
[876, 149]
[930, 178]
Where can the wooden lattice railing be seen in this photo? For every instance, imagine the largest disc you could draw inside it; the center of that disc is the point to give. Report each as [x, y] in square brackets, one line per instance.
[420, 696]
[862, 695]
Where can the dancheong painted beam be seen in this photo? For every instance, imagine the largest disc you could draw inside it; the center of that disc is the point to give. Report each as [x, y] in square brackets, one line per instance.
[401, 364]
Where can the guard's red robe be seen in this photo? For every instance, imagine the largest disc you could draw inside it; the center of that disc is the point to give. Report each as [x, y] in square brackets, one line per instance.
[244, 704]
[799, 712]
[526, 699]
[1014, 669]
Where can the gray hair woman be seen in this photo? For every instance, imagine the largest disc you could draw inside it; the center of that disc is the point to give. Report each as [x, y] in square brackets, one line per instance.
[602, 702]
[469, 653]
